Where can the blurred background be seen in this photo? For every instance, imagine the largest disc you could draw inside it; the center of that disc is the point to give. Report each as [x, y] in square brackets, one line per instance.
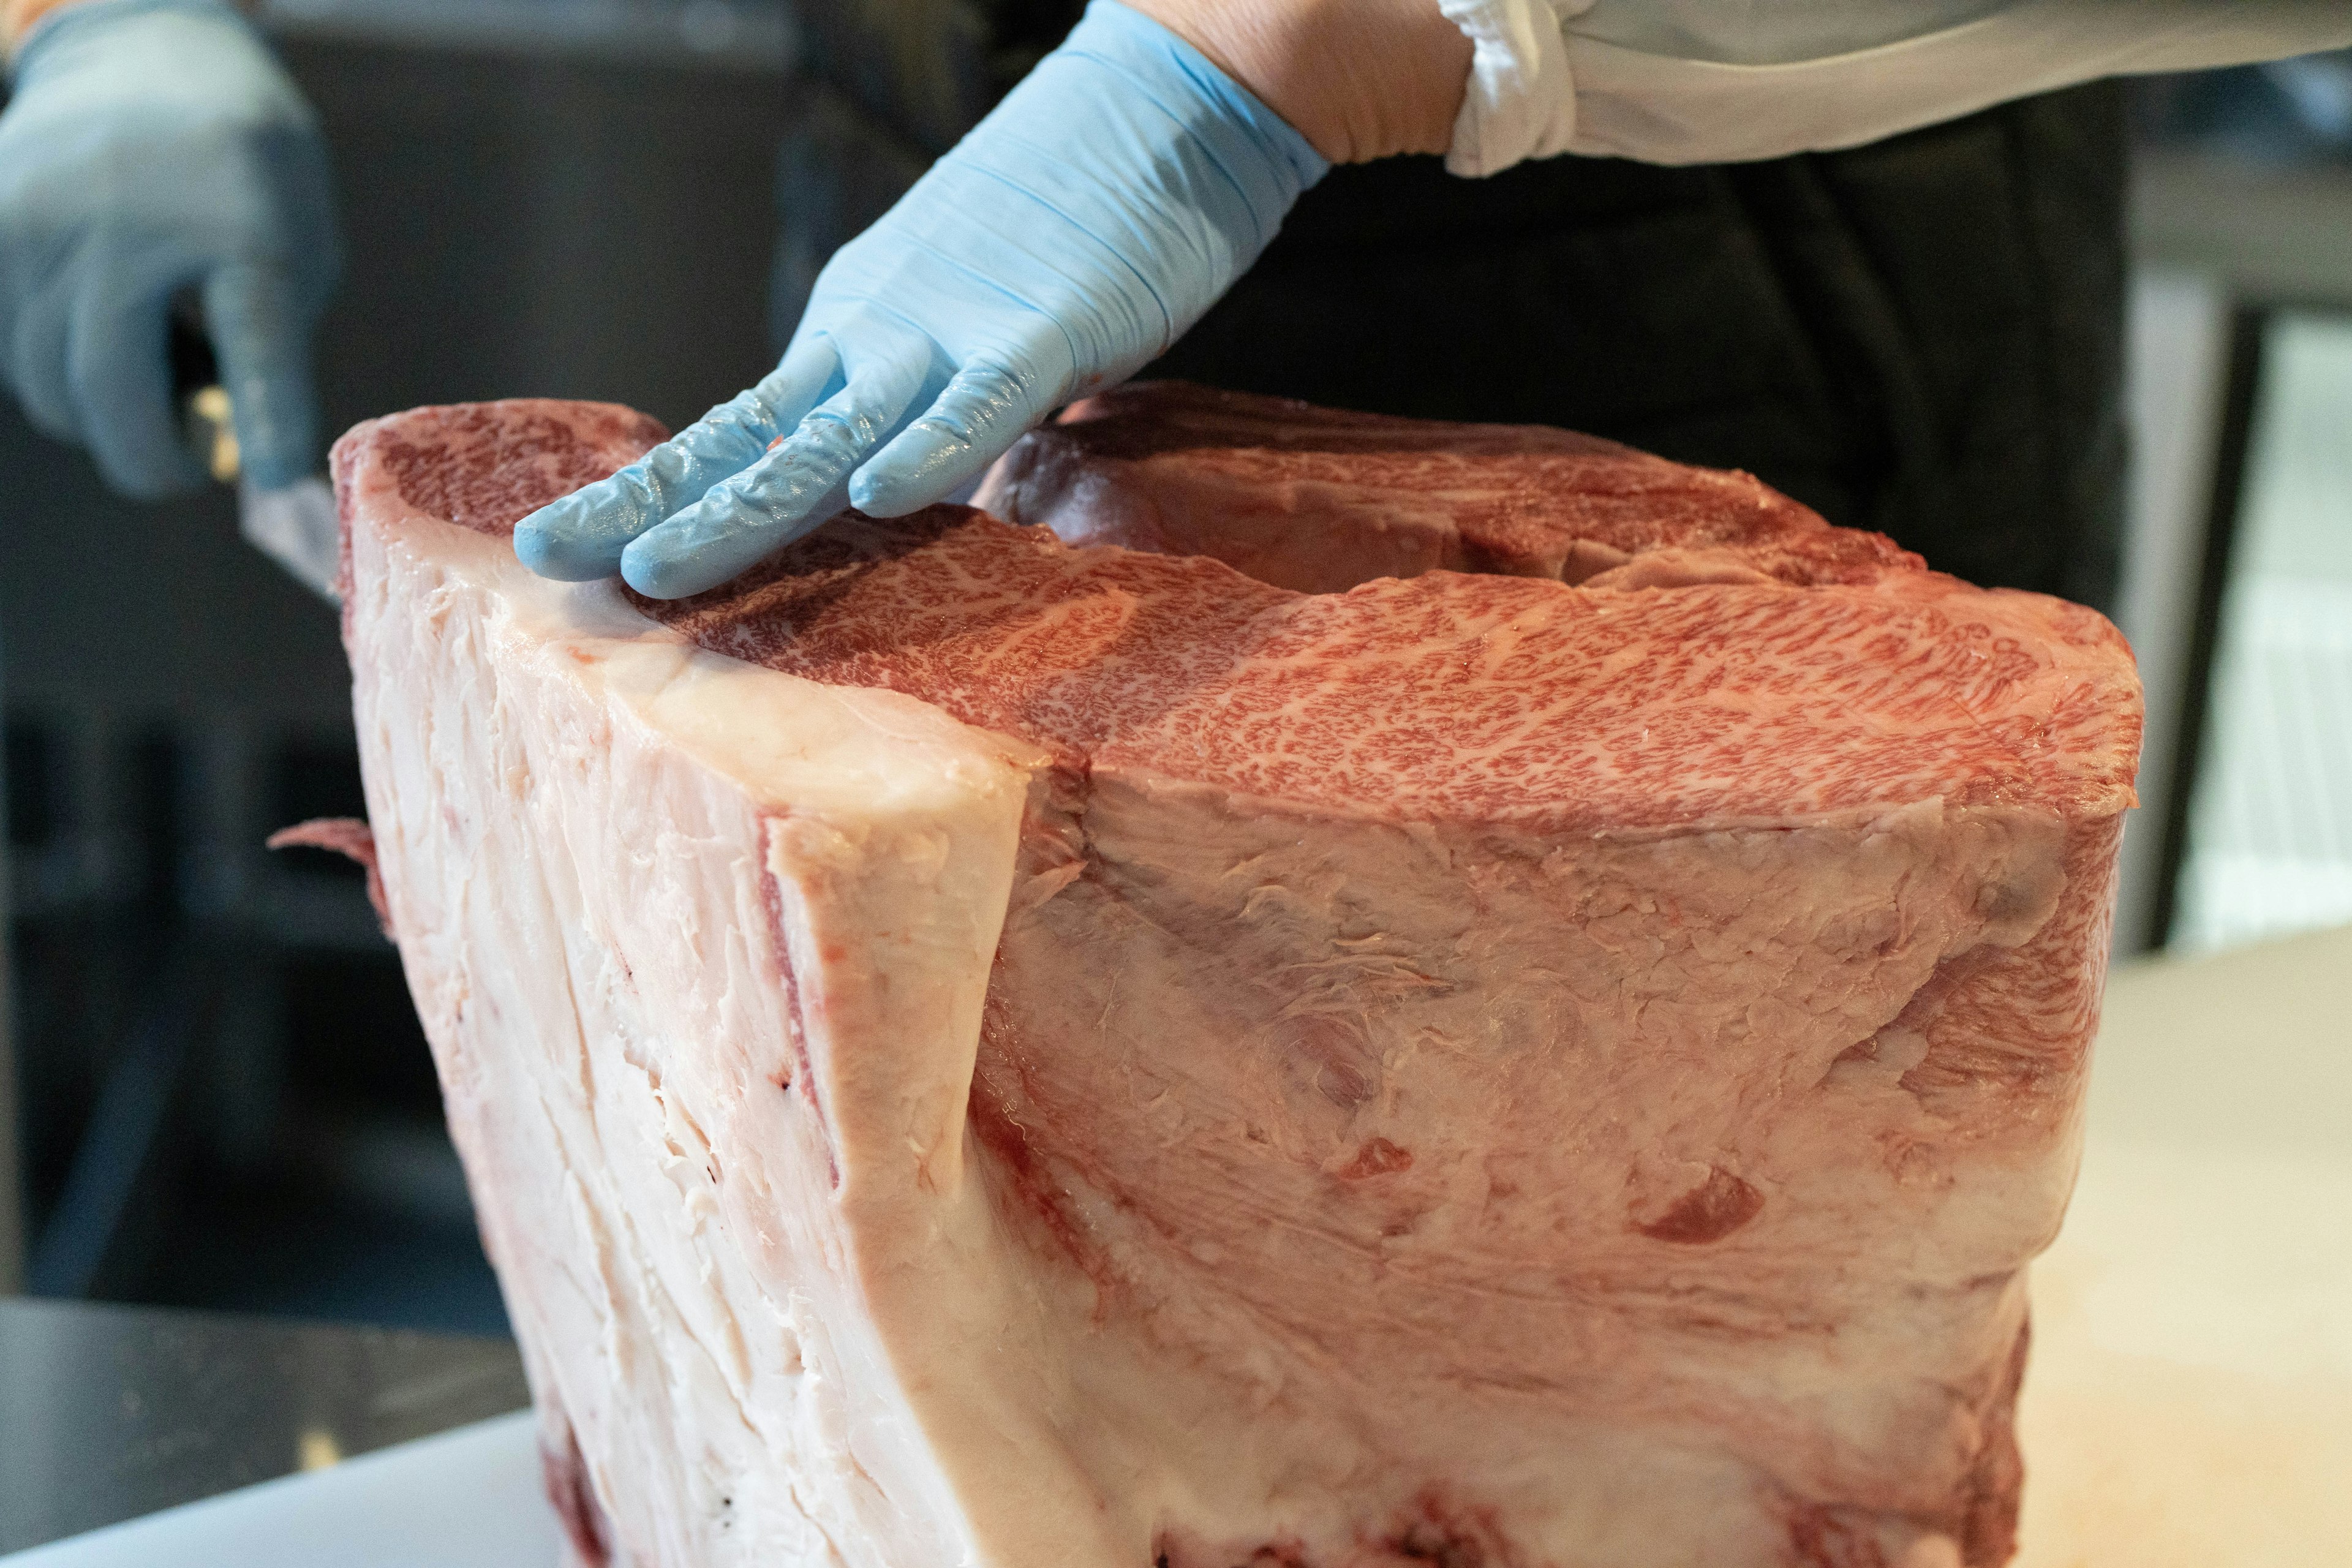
[221, 1096]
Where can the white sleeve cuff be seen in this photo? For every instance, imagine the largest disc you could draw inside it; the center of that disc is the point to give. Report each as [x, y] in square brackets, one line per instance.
[1529, 66]
[1519, 102]
[1665, 110]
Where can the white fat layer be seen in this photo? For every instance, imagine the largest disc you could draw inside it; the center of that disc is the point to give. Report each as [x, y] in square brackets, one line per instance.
[584, 826]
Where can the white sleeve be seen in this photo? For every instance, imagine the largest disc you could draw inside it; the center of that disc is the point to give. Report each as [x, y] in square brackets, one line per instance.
[1648, 79]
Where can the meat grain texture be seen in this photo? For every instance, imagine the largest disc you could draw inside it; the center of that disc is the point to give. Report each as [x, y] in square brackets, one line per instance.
[1497, 1001]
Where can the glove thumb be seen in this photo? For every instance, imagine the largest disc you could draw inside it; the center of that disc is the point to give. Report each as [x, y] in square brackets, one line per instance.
[261, 336]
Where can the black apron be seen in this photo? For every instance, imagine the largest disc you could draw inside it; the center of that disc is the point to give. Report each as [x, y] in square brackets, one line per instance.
[1923, 336]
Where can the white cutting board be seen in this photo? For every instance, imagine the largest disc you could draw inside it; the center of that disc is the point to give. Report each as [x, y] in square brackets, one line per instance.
[2188, 1402]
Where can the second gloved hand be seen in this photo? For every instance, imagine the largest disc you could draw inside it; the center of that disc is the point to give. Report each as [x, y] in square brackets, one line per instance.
[1074, 234]
[151, 146]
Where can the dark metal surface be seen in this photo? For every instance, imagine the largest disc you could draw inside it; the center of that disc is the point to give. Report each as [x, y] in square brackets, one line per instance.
[108, 1413]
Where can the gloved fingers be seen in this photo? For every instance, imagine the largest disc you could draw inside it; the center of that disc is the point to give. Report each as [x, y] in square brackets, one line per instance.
[983, 410]
[261, 337]
[786, 494]
[37, 364]
[119, 376]
[581, 537]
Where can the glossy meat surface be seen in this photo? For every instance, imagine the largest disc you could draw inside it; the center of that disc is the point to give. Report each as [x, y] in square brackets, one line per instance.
[1453, 697]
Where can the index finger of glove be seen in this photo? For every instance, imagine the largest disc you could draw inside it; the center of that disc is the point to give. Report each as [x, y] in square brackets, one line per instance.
[261, 337]
[786, 494]
[582, 537]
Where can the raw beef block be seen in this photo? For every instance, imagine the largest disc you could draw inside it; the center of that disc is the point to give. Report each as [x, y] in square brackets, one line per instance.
[971, 1050]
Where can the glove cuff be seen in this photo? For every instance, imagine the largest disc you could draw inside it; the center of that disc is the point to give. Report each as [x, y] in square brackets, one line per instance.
[1270, 161]
[79, 17]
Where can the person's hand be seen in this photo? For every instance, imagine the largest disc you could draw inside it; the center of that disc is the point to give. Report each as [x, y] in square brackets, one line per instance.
[151, 146]
[1079, 229]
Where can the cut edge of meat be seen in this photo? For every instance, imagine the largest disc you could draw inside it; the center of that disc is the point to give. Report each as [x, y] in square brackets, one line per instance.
[2058, 723]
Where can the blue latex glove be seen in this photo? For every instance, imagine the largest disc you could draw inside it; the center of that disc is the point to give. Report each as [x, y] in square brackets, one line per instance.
[1075, 233]
[151, 146]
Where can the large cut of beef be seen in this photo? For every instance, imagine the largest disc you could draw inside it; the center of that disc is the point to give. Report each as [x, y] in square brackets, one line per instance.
[1456, 996]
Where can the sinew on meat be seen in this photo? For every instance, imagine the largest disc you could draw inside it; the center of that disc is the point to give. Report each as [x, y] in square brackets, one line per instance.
[969, 1048]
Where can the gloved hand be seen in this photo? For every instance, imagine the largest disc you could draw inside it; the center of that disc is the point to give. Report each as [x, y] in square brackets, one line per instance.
[1075, 233]
[151, 146]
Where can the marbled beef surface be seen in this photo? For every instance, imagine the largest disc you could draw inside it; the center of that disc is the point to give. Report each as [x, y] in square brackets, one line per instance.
[975, 1047]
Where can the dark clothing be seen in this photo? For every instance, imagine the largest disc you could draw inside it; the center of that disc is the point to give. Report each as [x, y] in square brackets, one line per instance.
[1923, 336]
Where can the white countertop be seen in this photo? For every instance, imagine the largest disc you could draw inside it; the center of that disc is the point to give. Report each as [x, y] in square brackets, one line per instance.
[2189, 1404]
